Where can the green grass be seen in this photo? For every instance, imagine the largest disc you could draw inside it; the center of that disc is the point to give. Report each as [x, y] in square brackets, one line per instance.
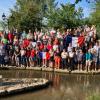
[94, 97]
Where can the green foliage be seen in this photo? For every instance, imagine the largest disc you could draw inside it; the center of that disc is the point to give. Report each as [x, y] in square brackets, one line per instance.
[94, 97]
[3, 24]
[88, 1]
[65, 17]
[25, 15]
[95, 16]
[29, 14]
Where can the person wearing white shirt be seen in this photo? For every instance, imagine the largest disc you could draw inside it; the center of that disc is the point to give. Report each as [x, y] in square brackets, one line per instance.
[69, 49]
[55, 47]
[71, 60]
[23, 57]
[64, 56]
[97, 49]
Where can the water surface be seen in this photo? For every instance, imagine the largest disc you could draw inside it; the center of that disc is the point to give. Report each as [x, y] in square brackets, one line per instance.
[65, 86]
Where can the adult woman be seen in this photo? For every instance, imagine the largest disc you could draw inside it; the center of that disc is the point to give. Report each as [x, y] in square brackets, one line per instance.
[79, 58]
[44, 56]
[57, 59]
[17, 56]
[88, 60]
[51, 58]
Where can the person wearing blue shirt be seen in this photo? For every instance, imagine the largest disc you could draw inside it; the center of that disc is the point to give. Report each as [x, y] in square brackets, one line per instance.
[39, 58]
[88, 59]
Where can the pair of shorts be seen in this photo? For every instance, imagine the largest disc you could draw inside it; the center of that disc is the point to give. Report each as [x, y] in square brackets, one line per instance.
[95, 59]
[88, 62]
[80, 62]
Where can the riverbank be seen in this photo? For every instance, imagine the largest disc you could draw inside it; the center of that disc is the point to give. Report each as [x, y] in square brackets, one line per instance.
[51, 70]
[10, 86]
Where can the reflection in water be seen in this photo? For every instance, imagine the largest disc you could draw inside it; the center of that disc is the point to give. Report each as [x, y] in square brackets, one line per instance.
[64, 87]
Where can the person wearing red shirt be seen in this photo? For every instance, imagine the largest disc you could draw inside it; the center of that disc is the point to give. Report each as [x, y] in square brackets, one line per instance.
[81, 39]
[26, 43]
[47, 58]
[41, 47]
[49, 46]
[10, 37]
[33, 57]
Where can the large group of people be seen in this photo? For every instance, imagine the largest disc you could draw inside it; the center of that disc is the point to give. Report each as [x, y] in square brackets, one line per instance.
[77, 48]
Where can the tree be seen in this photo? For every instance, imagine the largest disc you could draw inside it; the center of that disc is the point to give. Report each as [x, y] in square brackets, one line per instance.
[95, 16]
[89, 1]
[25, 15]
[28, 14]
[64, 17]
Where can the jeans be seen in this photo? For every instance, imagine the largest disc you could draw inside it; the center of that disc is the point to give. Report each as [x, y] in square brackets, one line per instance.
[2, 61]
[71, 64]
[27, 60]
[64, 63]
[23, 60]
[39, 61]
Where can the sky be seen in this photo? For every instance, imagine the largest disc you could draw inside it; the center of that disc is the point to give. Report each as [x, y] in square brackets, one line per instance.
[5, 5]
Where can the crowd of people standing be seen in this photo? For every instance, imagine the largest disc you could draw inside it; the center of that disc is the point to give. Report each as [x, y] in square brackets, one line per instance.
[72, 49]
